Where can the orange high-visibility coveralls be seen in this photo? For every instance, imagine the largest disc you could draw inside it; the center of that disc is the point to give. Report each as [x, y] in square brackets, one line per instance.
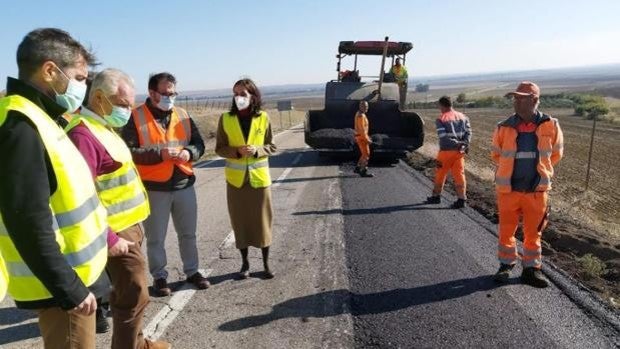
[529, 204]
[454, 132]
[362, 138]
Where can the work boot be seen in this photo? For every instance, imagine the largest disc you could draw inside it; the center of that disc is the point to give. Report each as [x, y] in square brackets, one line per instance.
[199, 281]
[356, 170]
[161, 288]
[534, 277]
[364, 173]
[102, 325]
[460, 203]
[435, 199]
[149, 344]
[503, 273]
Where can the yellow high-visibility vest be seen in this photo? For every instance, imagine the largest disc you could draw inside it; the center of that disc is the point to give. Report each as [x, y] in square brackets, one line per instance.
[79, 219]
[258, 167]
[4, 279]
[121, 192]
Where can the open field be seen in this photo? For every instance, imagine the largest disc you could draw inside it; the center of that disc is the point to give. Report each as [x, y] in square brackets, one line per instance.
[582, 221]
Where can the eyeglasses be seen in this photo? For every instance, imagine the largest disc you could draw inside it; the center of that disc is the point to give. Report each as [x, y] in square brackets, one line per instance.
[169, 94]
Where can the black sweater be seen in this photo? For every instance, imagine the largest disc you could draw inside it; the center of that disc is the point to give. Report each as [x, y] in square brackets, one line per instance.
[27, 181]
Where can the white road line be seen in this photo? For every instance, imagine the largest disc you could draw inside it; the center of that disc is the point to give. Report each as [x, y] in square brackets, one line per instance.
[160, 322]
[173, 308]
[228, 241]
[286, 172]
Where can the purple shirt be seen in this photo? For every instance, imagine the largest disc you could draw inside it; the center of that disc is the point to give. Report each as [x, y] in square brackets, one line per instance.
[97, 158]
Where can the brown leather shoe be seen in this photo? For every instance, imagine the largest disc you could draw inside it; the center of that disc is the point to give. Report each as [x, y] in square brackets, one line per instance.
[160, 286]
[199, 281]
[148, 344]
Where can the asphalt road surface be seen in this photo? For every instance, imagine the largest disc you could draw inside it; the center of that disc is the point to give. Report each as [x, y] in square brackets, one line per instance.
[359, 262]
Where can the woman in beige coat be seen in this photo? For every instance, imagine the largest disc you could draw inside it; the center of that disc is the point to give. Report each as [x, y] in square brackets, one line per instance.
[249, 198]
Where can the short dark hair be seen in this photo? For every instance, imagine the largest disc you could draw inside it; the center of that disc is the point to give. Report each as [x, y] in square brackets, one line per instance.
[155, 79]
[49, 44]
[445, 101]
[256, 101]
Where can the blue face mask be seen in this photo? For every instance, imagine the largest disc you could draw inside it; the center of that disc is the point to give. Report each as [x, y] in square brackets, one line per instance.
[74, 95]
[166, 103]
[118, 117]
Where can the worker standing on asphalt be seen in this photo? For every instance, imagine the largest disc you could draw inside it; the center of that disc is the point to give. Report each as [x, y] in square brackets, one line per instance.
[120, 190]
[244, 138]
[526, 147]
[454, 133]
[363, 140]
[401, 76]
[164, 141]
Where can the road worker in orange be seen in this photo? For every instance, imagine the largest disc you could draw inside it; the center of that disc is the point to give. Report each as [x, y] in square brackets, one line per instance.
[526, 147]
[363, 140]
[454, 133]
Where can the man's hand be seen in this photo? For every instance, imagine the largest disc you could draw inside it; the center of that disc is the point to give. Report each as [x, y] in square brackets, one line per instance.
[120, 248]
[184, 156]
[87, 307]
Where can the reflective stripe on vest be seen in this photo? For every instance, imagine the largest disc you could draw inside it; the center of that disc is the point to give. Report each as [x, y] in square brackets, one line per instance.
[152, 136]
[508, 153]
[74, 259]
[79, 219]
[121, 192]
[256, 168]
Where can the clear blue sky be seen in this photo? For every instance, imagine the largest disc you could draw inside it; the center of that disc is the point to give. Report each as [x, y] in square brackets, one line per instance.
[209, 44]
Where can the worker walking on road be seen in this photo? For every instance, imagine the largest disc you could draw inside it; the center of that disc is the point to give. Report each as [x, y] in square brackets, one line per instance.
[454, 133]
[120, 190]
[401, 76]
[245, 140]
[363, 140]
[53, 228]
[526, 147]
[164, 141]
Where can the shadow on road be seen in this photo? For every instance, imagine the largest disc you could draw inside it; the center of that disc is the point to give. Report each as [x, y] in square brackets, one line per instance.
[9, 316]
[338, 302]
[13, 315]
[374, 210]
[308, 179]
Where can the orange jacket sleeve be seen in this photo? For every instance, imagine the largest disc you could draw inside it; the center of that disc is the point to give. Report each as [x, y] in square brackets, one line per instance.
[558, 145]
[497, 146]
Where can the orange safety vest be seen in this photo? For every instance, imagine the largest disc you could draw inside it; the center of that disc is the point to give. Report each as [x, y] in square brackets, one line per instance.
[550, 151]
[152, 136]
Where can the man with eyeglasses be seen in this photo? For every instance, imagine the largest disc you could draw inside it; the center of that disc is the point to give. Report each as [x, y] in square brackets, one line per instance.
[164, 141]
[526, 147]
[121, 192]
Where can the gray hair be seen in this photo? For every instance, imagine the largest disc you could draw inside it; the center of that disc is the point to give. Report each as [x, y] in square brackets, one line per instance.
[108, 80]
[49, 44]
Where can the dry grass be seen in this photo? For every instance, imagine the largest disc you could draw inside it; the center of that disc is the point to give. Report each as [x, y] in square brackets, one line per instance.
[207, 120]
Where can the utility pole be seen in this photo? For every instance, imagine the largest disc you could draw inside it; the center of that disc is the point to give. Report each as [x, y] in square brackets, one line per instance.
[590, 152]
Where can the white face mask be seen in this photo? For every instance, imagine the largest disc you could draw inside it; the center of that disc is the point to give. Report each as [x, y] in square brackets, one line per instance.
[74, 95]
[243, 102]
[166, 103]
